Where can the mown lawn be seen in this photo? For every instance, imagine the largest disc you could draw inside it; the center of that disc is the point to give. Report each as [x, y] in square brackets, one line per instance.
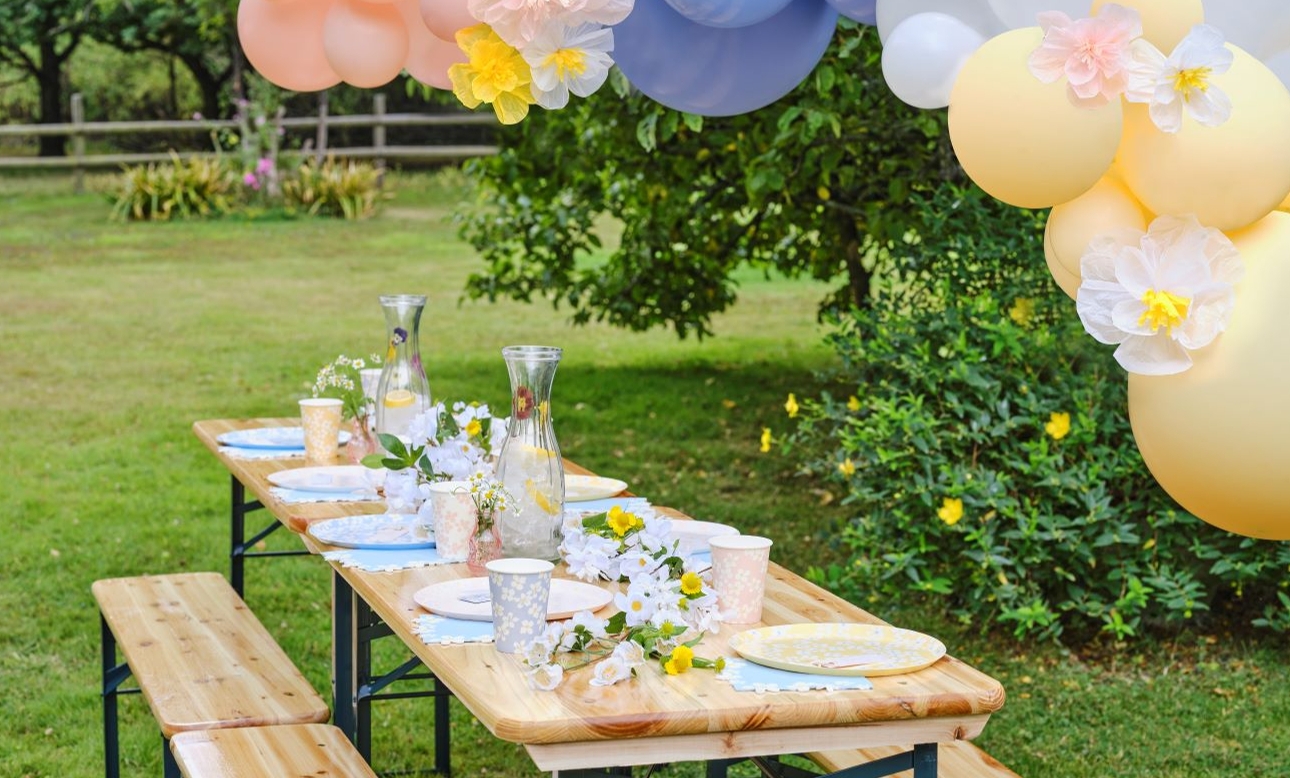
[115, 337]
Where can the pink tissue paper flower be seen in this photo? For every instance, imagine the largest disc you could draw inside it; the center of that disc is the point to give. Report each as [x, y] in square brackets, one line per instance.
[1093, 53]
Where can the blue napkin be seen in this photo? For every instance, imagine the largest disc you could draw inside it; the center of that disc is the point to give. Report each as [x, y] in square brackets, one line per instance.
[386, 561]
[293, 496]
[596, 506]
[441, 630]
[238, 452]
[746, 676]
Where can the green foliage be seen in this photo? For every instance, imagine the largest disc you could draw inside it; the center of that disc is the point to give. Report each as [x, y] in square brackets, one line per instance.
[956, 373]
[344, 189]
[181, 188]
[816, 185]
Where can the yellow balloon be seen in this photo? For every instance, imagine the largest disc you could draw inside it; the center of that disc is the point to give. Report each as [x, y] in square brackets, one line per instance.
[1229, 176]
[1164, 22]
[1107, 207]
[1215, 436]
[1022, 140]
[1067, 281]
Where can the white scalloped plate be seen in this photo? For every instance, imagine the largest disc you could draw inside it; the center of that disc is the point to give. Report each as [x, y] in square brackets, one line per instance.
[373, 530]
[334, 479]
[567, 598]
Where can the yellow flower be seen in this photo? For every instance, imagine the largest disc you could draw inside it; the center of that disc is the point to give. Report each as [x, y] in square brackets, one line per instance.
[1059, 424]
[691, 583]
[790, 405]
[1022, 310]
[473, 428]
[620, 521]
[853, 403]
[682, 659]
[847, 467]
[765, 439]
[951, 511]
[496, 73]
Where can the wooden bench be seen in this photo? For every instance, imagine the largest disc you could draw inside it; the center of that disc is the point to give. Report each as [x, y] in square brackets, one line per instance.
[959, 759]
[268, 752]
[200, 657]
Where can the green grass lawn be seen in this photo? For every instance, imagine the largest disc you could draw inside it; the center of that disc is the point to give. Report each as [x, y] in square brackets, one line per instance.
[115, 337]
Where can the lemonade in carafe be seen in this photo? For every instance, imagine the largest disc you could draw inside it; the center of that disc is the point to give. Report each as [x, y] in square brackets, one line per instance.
[403, 391]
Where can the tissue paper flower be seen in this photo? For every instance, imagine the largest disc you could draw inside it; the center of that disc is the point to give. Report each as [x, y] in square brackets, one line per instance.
[1092, 53]
[495, 74]
[1159, 295]
[519, 22]
[569, 59]
[1181, 81]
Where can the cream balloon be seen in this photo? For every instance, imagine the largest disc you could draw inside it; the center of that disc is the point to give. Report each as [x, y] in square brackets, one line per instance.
[974, 13]
[923, 56]
[283, 42]
[429, 57]
[1108, 206]
[1215, 436]
[446, 17]
[1164, 22]
[366, 43]
[1066, 281]
[1022, 140]
[1229, 176]
[1022, 13]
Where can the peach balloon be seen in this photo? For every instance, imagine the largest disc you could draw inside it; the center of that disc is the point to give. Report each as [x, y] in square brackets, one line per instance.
[1164, 22]
[1067, 281]
[1022, 140]
[283, 42]
[366, 43]
[429, 57]
[1229, 176]
[445, 17]
[1215, 436]
[1108, 206]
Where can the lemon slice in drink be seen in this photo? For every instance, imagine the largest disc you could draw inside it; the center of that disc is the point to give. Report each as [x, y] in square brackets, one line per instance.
[399, 398]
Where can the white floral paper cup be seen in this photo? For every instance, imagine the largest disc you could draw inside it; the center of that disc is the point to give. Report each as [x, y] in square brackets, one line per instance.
[454, 518]
[519, 588]
[739, 564]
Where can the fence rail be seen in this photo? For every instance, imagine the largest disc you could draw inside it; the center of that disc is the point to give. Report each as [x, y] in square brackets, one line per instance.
[78, 129]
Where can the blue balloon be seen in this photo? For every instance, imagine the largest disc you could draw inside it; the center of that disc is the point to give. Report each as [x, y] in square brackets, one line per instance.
[728, 13]
[715, 71]
[863, 11]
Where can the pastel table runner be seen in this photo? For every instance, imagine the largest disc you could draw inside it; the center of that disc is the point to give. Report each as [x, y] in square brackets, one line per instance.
[747, 676]
[441, 630]
[295, 496]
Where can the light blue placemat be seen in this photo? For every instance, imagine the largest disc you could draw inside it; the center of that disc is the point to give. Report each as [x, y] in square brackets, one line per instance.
[746, 676]
[294, 496]
[236, 452]
[441, 630]
[626, 503]
[377, 561]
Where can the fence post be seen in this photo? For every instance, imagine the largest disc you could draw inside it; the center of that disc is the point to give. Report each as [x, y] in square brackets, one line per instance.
[320, 143]
[378, 136]
[78, 143]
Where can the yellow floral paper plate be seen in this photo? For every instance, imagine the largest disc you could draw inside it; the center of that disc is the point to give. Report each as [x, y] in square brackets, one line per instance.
[839, 649]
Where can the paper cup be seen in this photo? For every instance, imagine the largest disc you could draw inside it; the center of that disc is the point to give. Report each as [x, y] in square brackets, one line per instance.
[453, 518]
[739, 565]
[520, 588]
[321, 419]
[371, 378]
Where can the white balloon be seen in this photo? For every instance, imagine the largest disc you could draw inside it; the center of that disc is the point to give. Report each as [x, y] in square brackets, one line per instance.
[1261, 27]
[974, 13]
[1023, 13]
[923, 55]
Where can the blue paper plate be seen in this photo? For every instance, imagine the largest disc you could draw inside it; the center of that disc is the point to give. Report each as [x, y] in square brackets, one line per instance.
[278, 438]
[373, 530]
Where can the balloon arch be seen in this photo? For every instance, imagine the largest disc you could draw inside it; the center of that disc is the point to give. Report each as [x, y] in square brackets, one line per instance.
[1158, 131]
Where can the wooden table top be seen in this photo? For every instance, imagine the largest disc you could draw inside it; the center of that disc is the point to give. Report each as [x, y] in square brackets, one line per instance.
[699, 716]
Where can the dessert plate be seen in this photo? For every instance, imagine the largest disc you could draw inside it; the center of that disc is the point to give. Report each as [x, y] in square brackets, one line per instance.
[335, 479]
[694, 535]
[468, 598]
[270, 438]
[579, 488]
[373, 530]
[839, 649]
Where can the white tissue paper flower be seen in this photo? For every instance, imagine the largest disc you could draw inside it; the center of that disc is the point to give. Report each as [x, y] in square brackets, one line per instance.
[568, 59]
[1159, 295]
[1181, 81]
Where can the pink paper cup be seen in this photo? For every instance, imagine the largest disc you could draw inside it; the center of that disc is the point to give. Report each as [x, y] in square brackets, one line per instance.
[739, 564]
[454, 518]
[321, 419]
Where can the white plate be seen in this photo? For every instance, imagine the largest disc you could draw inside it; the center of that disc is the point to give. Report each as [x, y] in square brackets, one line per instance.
[694, 535]
[567, 598]
[580, 488]
[373, 530]
[334, 479]
[271, 438]
[839, 649]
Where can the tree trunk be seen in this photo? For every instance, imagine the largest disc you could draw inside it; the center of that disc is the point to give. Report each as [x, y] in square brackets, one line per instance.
[209, 82]
[50, 80]
[858, 277]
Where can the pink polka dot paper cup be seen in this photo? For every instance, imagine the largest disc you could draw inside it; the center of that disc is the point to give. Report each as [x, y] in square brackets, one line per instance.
[739, 565]
[454, 518]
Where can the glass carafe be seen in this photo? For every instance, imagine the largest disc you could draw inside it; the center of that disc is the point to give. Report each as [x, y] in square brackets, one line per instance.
[403, 391]
[529, 464]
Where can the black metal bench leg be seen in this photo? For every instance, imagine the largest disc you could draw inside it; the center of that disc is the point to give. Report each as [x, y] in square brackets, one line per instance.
[925, 760]
[442, 733]
[362, 680]
[237, 548]
[170, 768]
[111, 742]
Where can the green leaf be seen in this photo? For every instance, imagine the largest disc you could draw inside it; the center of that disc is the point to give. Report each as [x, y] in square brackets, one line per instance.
[645, 135]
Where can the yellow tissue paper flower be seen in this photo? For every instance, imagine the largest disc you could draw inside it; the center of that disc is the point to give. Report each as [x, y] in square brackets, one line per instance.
[951, 511]
[1059, 425]
[496, 73]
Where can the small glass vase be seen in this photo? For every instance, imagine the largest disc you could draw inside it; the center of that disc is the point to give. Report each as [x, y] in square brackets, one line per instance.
[485, 546]
[361, 440]
[403, 391]
[529, 464]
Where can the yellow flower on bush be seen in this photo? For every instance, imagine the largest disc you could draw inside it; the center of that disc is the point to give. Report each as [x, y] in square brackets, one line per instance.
[765, 439]
[682, 659]
[1059, 425]
[853, 403]
[1022, 310]
[791, 406]
[496, 73]
[847, 467]
[951, 511]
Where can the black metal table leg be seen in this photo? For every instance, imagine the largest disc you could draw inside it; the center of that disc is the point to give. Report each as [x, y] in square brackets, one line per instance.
[344, 634]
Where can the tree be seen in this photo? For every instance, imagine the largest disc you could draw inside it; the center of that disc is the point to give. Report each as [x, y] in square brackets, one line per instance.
[817, 184]
[37, 37]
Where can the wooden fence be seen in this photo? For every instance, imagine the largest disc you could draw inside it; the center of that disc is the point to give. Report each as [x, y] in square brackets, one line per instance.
[78, 129]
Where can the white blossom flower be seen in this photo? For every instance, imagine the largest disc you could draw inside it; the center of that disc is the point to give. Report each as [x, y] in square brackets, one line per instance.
[518, 22]
[588, 621]
[424, 429]
[1181, 81]
[568, 59]
[630, 653]
[610, 671]
[1160, 295]
[538, 652]
[546, 677]
[635, 562]
[637, 603]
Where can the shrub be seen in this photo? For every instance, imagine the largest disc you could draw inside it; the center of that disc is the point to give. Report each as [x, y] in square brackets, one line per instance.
[192, 187]
[964, 486]
[348, 189]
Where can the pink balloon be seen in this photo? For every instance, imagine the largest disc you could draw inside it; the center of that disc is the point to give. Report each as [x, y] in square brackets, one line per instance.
[429, 56]
[366, 43]
[283, 42]
[445, 17]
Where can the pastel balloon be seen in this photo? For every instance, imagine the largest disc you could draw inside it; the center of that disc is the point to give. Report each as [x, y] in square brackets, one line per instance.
[1215, 436]
[366, 43]
[445, 17]
[716, 71]
[1228, 176]
[1107, 207]
[863, 11]
[1024, 13]
[1066, 281]
[429, 57]
[923, 56]
[1022, 140]
[728, 13]
[1261, 27]
[283, 42]
[974, 13]
[1279, 64]
[1164, 22]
